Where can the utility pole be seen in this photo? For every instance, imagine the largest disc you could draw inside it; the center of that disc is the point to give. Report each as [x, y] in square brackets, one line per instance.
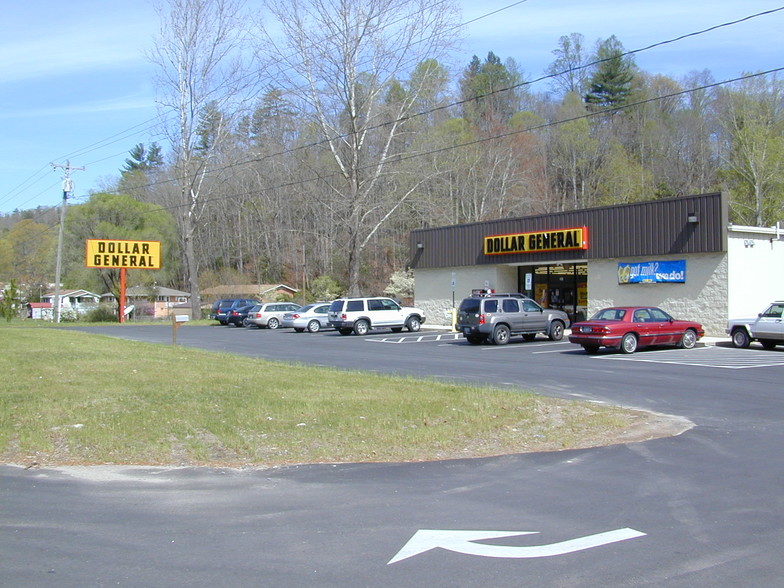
[67, 189]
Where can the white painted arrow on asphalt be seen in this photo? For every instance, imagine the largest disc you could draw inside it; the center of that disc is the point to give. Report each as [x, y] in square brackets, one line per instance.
[463, 542]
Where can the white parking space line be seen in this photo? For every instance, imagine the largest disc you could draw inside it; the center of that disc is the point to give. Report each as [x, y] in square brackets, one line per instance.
[529, 345]
[424, 338]
[710, 357]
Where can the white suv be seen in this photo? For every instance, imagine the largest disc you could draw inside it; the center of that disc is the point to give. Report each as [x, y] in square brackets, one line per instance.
[359, 315]
[767, 328]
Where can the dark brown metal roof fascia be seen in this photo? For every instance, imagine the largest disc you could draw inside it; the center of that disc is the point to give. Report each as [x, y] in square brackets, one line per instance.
[656, 227]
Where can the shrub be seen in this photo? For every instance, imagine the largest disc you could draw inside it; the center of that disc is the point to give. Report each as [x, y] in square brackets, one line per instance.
[102, 314]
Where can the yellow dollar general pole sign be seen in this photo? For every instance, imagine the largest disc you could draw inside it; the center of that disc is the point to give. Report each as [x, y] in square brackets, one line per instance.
[123, 254]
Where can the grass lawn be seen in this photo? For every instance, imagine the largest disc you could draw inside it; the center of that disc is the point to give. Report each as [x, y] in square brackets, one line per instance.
[68, 397]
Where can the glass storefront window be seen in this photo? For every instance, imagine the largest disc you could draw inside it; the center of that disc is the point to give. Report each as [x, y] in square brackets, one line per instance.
[563, 286]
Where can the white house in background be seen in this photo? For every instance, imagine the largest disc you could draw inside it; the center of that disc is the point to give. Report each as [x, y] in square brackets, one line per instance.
[77, 301]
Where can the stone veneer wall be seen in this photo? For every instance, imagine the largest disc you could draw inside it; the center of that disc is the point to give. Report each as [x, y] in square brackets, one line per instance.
[433, 288]
[702, 298]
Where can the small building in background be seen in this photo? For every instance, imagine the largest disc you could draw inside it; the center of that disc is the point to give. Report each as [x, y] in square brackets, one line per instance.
[151, 302]
[263, 292]
[39, 310]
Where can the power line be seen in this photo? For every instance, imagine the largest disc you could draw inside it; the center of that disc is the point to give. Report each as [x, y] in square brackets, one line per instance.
[147, 124]
[480, 96]
[543, 126]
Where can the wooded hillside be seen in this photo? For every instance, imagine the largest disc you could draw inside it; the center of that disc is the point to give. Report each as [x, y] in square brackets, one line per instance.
[314, 163]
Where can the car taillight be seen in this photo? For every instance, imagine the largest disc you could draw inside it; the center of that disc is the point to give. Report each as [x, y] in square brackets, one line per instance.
[295, 315]
[481, 319]
[343, 316]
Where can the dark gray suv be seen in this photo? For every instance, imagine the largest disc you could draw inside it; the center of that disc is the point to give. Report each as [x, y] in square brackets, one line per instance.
[497, 317]
[221, 308]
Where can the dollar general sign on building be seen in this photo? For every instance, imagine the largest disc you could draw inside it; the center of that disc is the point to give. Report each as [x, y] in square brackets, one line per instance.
[558, 240]
[113, 253]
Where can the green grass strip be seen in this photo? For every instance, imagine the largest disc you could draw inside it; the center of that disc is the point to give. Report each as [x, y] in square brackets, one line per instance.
[69, 397]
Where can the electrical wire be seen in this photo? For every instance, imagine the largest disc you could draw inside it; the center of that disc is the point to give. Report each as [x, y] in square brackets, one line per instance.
[157, 120]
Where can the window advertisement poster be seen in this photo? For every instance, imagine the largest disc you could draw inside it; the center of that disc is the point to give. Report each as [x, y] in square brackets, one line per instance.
[652, 272]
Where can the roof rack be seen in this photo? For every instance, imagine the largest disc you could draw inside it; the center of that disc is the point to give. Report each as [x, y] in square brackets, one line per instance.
[486, 292]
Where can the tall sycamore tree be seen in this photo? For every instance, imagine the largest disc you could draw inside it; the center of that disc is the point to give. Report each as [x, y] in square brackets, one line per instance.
[339, 59]
[200, 77]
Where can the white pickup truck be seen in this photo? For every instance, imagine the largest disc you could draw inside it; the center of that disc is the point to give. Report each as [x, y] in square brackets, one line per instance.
[767, 328]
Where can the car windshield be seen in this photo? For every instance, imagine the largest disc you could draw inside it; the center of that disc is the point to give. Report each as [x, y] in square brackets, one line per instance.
[609, 314]
[774, 311]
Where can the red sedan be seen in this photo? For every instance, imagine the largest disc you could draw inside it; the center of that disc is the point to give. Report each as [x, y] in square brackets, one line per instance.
[629, 327]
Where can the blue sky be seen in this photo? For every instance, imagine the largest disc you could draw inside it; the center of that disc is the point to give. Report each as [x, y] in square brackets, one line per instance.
[75, 85]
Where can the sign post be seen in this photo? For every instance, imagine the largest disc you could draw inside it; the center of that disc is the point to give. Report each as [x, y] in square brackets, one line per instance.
[177, 321]
[454, 310]
[123, 254]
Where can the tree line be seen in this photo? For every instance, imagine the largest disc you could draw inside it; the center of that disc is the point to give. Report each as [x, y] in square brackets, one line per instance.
[308, 160]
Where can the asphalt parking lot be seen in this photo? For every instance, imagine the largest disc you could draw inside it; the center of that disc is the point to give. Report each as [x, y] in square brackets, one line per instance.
[703, 508]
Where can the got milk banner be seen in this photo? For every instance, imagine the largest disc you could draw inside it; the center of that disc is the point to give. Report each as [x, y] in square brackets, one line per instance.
[652, 272]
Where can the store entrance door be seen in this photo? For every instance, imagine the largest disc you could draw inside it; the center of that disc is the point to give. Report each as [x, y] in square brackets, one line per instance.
[563, 286]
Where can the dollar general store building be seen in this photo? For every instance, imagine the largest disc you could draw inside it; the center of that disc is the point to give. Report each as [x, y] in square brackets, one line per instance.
[680, 254]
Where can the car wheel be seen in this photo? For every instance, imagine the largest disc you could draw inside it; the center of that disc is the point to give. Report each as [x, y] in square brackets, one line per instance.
[474, 340]
[591, 349]
[629, 343]
[501, 335]
[345, 331]
[689, 339]
[413, 324]
[556, 331]
[273, 323]
[361, 327]
[314, 326]
[766, 344]
[529, 336]
[740, 338]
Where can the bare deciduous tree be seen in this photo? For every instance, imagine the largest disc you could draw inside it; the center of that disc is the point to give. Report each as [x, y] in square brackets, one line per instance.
[340, 58]
[200, 75]
[752, 115]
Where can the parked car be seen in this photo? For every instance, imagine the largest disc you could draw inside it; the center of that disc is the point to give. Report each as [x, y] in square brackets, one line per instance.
[237, 316]
[630, 327]
[767, 328]
[359, 315]
[497, 317]
[312, 317]
[221, 308]
[269, 314]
